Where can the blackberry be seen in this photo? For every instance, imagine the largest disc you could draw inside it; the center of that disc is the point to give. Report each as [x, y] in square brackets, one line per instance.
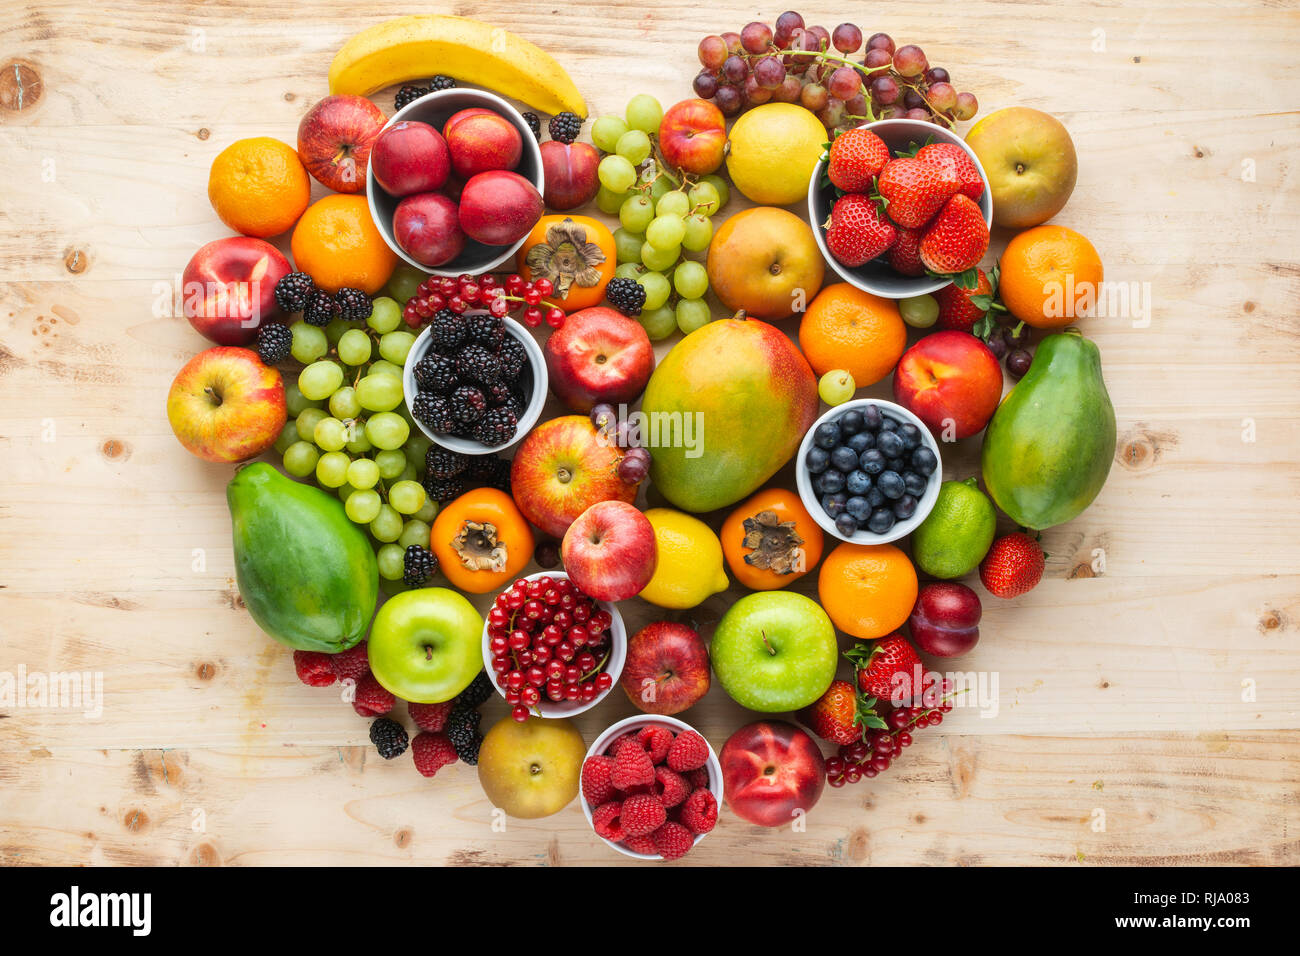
[518, 403]
[498, 394]
[496, 427]
[626, 295]
[444, 463]
[489, 471]
[476, 364]
[534, 123]
[486, 329]
[511, 357]
[468, 404]
[443, 489]
[293, 291]
[449, 331]
[437, 412]
[353, 304]
[418, 565]
[479, 690]
[389, 738]
[319, 310]
[462, 730]
[565, 127]
[437, 373]
[409, 94]
[273, 343]
[441, 82]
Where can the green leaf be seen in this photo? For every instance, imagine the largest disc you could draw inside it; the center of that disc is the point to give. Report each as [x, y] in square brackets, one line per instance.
[969, 279]
[984, 302]
[983, 329]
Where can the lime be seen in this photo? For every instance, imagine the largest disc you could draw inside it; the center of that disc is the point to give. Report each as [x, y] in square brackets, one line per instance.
[956, 535]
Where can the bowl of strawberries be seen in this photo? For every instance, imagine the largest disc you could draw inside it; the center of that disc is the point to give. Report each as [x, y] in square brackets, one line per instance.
[901, 208]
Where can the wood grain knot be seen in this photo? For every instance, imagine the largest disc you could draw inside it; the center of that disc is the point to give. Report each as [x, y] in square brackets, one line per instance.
[203, 854]
[203, 133]
[1198, 152]
[859, 849]
[135, 820]
[1248, 306]
[20, 86]
[205, 670]
[1137, 455]
[402, 838]
[75, 260]
[1104, 684]
[1082, 570]
[1271, 621]
[114, 448]
[290, 96]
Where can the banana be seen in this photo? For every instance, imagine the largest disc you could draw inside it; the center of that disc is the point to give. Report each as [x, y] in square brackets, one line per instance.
[417, 47]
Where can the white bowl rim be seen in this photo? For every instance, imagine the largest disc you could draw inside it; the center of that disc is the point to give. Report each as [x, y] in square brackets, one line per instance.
[811, 501]
[550, 710]
[607, 736]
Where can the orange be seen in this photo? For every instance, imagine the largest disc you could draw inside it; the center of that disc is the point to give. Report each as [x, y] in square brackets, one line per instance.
[259, 186]
[846, 328]
[867, 589]
[1049, 276]
[337, 244]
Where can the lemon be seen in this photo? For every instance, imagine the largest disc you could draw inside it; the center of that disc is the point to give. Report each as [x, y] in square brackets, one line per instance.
[690, 560]
[773, 150]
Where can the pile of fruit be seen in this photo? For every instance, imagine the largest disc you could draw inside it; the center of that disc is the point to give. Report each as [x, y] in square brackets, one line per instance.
[662, 485]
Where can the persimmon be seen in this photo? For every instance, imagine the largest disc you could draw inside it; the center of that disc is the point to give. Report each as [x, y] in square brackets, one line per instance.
[577, 255]
[771, 540]
[481, 541]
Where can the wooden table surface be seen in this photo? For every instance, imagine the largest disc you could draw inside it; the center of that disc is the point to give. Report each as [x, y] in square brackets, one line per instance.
[1149, 687]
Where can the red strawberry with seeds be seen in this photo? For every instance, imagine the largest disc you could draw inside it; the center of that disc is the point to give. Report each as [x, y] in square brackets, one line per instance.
[834, 715]
[959, 161]
[958, 238]
[914, 190]
[1013, 566]
[905, 253]
[856, 158]
[886, 671]
[857, 231]
[960, 309]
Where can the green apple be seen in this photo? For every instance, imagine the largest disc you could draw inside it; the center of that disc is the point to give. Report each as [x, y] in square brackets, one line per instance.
[775, 651]
[531, 769]
[425, 645]
[1030, 162]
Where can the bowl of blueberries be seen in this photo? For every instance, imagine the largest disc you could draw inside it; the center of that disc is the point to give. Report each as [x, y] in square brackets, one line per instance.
[868, 471]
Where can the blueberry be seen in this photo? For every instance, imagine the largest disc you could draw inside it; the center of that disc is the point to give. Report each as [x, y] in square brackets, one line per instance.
[844, 458]
[924, 461]
[871, 418]
[914, 483]
[850, 422]
[872, 461]
[875, 498]
[817, 460]
[887, 424]
[890, 484]
[827, 435]
[910, 434]
[846, 524]
[860, 442]
[859, 507]
[829, 482]
[833, 504]
[905, 507]
[890, 444]
[896, 464]
[857, 482]
[881, 520]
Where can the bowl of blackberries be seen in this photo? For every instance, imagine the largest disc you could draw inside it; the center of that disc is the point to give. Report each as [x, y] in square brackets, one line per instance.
[474, 382]
[868, 471]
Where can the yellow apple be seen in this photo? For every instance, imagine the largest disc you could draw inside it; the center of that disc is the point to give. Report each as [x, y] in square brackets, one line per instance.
[531, 769]
[1030, 161]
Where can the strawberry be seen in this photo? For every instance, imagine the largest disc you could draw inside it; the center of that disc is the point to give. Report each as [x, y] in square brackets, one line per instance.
[914, 190]
[857, 232]
[1013, 566]
[970, 310]
[839, 715]
[857, 156]
[905, 253]
[957, 239]
[959, 161]
[886, 670]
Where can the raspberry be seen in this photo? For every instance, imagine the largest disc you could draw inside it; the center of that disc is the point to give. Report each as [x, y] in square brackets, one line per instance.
[372, 700]
[697, 778]
[670, 786]
[642, 814]
[606, 821]
[313, 668]
[430, 717]
[617, 745]
[700, 811]
[632, 768]
[689, 751]
[656, 739]
[673, 841]
[642, 844]
[596, 787]
[432, 752]
[389, 738]
[353, 663]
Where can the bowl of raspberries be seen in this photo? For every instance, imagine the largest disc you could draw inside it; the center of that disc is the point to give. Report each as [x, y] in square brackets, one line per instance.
[651, 787]
[474, 382]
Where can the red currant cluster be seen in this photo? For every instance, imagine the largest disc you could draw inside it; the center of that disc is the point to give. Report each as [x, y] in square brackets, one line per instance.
[548, 638]
[499, 296]
[878, 749]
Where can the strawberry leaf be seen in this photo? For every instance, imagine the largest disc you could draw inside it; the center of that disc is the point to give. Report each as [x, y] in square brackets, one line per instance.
[984, 302]
[984, 328]
[969, 279]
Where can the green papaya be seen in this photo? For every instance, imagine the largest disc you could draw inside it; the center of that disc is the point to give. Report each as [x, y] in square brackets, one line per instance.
[306, 573]
[1050, 444]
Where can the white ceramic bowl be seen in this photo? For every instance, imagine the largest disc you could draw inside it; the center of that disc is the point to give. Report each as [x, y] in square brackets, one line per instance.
[812, 501]
[536, 399]
[435, 109]
[617, 730]
[877, 276]
[613, 667]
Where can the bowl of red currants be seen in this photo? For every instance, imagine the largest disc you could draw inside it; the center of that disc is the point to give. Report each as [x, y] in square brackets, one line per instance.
[551, 650]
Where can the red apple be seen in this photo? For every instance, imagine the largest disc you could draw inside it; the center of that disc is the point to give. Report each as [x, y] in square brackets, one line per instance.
[610, 552]
[499, 207]
[771, 770]
[225, 405]
[667, 668]
[562, 468]
[228, 288]
[951, 381]
[427, 228]
[456, 118]
[598, 355]
[335, 139]
[482, 142]
[569, 170]
[693, 136]
[945, 621]
[410, 157]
